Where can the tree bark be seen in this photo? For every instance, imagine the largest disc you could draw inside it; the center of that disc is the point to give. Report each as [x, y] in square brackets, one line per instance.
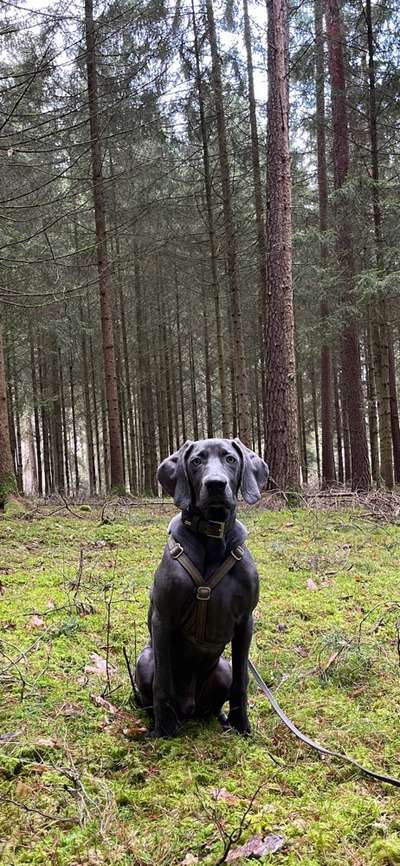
[394, 411]
[282, 437]
[380, 325]
[8, 482]
[240, 371]
[110, 374]
[354, 398]
[328, 462]
[211, 234]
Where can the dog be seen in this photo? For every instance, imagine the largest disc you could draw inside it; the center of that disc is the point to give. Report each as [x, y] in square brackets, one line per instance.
[205, 590]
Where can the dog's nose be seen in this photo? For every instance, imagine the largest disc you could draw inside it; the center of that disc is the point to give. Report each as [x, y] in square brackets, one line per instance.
[215, 484]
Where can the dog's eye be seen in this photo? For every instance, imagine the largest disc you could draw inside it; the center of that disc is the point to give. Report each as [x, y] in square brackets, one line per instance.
[230, 458]
[196, 461]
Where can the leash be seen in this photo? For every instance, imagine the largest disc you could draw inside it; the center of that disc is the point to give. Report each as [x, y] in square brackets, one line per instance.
[380, 777]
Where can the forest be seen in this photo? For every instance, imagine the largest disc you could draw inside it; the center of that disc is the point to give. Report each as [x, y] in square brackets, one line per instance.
[200, 211]
[200, 206]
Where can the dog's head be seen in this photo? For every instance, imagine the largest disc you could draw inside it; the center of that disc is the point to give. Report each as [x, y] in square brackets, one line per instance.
[208, 475]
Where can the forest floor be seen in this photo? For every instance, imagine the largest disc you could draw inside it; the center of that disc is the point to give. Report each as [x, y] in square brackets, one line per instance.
[79, 783]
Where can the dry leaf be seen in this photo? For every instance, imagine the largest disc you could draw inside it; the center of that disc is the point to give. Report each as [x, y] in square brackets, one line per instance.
[47, 743]
[101, 702]
[36, 622]
[21, 789]
[223, 794]
[50, 604]
[190, 860]
[2, 587]
[69, 710]
[99, 667]
[311, 584]
[5, 738]
[258, 846]
[7, 625]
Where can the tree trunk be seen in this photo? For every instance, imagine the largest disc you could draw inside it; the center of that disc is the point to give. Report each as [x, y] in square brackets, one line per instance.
[211, 235]
[36, 413]
[74, 429]
[328, 462]
[8, 482]
[339, 426]
[372, 411]
[315, 418]
[394, 411]
[380, 325]
[302, 429]
[354, 398]
[110, 374]
[207, 366]
[282, 438]
[241, 379]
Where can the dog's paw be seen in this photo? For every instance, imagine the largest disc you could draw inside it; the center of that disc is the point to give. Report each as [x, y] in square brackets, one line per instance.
[238, 720]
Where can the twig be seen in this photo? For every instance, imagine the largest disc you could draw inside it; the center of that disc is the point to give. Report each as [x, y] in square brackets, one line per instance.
[57, 819]
[108, 597]
[234, 837]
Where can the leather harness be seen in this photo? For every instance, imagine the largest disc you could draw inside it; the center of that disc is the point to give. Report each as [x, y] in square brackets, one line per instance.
[196, 626]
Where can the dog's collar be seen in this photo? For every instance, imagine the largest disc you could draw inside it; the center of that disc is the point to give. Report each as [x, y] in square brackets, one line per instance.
[211, 528]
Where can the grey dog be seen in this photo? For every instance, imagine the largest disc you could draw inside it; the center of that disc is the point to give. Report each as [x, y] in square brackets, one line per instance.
[205, 590]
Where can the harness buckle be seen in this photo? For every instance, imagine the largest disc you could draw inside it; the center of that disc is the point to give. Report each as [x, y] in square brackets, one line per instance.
[176, 551]
[203, 593]
[238, 552]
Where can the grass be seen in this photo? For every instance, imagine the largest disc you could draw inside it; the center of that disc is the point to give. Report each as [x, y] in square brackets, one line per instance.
[79, 784]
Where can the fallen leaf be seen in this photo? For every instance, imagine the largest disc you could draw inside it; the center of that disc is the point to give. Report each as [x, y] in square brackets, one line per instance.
[2, 588]
[258, 846]
[190, 860]
[7, 625]
[36, 622]
[50, 604]
[311, 584]
[69, 710]
[223, 794]
[48, 743]
[101, 702]
[21, 789]
[99, 667]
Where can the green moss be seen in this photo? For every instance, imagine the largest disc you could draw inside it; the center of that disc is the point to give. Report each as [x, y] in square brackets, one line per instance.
[138, 801]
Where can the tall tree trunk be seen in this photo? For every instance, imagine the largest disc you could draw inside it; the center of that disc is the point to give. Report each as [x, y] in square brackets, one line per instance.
[207, 366]
[8, 482]
[88, 412]
[354, 398]
[241, 379]
[211, 234]
[110, 374]
[74, 428]
[315, 418]
[372, 410]
[36, 412]
[302, 428]
[282, 437]
[394, 411]
[328, 463]
[64, 423]
[180, 359]
[339, 425]
[380, 330]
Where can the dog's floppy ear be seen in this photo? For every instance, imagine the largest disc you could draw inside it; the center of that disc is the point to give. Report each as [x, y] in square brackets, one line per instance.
[254, 473]
[173, 477]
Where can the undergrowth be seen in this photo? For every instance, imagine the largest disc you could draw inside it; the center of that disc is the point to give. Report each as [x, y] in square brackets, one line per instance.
[79, 783]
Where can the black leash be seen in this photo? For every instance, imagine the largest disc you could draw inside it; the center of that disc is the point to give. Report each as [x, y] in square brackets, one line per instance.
[380, 777]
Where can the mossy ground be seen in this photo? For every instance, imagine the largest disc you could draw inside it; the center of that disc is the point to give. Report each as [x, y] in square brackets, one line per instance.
[106, 795]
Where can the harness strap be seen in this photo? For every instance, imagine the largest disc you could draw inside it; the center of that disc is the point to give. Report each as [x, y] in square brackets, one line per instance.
[204, 587]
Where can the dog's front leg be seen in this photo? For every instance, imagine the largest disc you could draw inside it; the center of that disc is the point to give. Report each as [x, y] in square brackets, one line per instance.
[238, 718]
[166, 721]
